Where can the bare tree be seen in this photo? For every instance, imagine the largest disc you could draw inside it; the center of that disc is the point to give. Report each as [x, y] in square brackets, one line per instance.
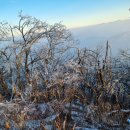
[55, 40]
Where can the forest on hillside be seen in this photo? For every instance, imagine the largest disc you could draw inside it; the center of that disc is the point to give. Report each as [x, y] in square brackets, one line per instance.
[48, 83]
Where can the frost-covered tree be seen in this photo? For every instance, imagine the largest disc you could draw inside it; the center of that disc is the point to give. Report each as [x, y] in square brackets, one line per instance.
[33, 44]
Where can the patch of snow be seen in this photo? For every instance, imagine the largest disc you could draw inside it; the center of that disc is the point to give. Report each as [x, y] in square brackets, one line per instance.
[51, 118]
[33, 124]
[43, 107]
[48, 127]
[81, 128]
[128, 120]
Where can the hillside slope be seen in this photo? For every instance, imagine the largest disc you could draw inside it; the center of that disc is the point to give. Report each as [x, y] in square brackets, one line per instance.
[117, 33]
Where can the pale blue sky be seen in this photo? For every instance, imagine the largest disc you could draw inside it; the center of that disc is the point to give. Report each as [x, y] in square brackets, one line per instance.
[72, 13]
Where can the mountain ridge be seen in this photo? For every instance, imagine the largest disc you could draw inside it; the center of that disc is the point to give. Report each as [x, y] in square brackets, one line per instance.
[116, 33]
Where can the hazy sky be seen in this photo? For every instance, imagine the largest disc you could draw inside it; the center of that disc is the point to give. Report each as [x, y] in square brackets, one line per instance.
[72, 13]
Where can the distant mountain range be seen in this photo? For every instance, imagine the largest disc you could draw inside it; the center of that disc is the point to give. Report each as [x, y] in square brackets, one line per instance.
[117, 33]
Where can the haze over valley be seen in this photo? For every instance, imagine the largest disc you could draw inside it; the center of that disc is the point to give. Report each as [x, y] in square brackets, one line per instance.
[117, 33]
